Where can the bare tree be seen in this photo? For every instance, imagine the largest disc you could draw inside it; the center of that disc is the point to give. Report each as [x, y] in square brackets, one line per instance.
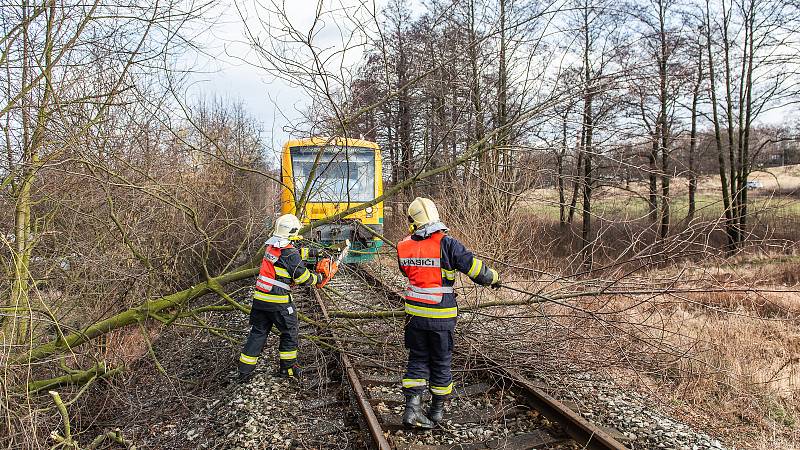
[760, 79]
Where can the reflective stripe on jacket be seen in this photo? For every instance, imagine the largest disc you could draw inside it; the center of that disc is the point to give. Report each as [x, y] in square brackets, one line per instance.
[269, 274]
[430, 265]
[281, 267]
[422, 261]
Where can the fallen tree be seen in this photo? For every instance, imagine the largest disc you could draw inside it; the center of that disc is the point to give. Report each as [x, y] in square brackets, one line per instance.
[134, 315]
[147, 309]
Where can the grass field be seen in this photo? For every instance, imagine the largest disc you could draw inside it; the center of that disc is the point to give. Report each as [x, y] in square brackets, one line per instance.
[619, 204]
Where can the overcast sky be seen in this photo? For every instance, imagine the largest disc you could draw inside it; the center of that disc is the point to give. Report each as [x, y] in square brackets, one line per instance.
[222, 70]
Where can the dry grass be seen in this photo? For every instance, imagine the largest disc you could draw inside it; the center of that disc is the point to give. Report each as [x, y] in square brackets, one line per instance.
[743, 371]
[726, 362]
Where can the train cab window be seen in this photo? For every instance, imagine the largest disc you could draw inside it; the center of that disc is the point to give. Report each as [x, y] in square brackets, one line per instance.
[342, 175]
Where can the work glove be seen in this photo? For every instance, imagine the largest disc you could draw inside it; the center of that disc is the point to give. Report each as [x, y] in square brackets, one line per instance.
[328, 269]
[496, 280]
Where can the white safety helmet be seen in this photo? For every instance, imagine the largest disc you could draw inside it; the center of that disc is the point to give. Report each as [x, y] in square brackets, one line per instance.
[421, 212]
[287, 226]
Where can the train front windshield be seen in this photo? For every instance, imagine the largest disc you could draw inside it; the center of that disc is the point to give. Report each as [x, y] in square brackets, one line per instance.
[343, 174]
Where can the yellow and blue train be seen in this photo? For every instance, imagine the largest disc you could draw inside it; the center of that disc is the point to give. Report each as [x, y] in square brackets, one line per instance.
[324, 176]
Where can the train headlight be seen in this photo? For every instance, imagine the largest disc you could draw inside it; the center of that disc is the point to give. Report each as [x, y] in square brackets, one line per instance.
[368, 210]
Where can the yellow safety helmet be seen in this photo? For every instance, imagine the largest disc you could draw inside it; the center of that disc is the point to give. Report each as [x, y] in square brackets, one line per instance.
[288, 226]
[421, 212]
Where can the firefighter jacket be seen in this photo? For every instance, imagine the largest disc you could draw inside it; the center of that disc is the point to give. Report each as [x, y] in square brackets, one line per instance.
[281, 267]
[430, 265]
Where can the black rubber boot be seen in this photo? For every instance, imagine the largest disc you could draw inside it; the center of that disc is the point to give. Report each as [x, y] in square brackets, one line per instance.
[245, 377]
[413, 416]
[436, 410]
[246, 372]
[294, 371]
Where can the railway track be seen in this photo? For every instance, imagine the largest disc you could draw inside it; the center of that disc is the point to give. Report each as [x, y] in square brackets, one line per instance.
[491, 407]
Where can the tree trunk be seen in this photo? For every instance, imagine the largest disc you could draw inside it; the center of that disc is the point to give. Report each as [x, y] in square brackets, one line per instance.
[587, 248]
[748, 106]
[726, 200]
[562, 207]
[693, 137]
[577, 181]
[734, 181]
[501, 164]
[17, 328]
[664, 127]
[484, 160]
[652, 199]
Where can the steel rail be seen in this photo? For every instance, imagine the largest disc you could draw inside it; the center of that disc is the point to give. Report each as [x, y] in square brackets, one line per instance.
[374, 426]
[579, 429]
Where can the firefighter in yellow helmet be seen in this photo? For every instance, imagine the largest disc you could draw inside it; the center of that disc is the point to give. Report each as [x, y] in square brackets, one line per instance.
[430, 259]
[281, 267]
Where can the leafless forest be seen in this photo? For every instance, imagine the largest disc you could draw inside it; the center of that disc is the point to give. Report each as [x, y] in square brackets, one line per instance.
[631, 167]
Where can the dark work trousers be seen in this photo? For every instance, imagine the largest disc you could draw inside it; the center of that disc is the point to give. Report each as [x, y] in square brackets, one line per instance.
[284, 318]
[430, 353]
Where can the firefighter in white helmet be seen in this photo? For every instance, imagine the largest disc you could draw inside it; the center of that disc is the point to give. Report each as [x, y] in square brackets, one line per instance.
[430, 259]
[281, 267]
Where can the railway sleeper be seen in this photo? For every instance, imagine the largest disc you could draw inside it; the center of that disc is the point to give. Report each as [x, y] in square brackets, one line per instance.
[527, 441]
[396, 397]
[393, 421]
